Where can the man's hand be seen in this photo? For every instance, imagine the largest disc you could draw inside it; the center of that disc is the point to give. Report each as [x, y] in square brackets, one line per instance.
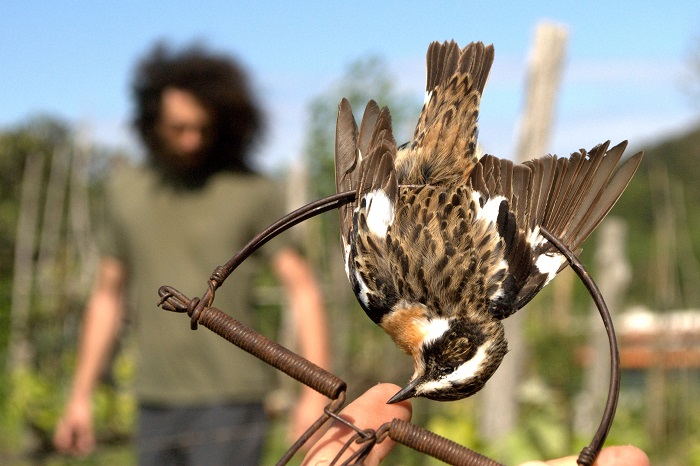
[74, 433]
[369, 411]
[610, 456]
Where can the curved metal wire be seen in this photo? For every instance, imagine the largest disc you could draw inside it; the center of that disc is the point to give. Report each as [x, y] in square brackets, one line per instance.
[590, 452]
[201, 312]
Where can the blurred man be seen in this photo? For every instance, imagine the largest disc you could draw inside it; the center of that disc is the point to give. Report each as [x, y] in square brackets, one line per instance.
[196, 202]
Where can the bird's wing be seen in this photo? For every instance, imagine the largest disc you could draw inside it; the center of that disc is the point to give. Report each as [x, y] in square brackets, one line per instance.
[372, 214]
[443, 149]
[377, 169]
[350, 148]
[583, 189]
[567, 196]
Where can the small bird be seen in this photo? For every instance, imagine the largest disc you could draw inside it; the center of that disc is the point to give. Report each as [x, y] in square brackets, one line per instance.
[441, 244]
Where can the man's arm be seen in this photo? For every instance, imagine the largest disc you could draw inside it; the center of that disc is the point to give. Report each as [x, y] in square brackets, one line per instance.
[102, 321]
[306, 304]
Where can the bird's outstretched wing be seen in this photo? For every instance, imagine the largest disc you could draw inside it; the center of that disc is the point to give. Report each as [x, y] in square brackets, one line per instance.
[443, 149]
[366, 164]
[351, 148]
[567, 196]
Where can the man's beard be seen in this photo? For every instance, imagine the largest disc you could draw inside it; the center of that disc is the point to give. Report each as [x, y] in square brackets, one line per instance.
[191, 170]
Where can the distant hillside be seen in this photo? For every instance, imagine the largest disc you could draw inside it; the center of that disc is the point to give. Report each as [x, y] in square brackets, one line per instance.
[662, 206]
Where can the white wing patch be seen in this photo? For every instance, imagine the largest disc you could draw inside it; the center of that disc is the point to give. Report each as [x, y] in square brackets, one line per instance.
[536, 239]
[489, 212]
[549, 263]
[346, 250]
[380, 212]
[499, 291]
[380, 215]
[362, 294]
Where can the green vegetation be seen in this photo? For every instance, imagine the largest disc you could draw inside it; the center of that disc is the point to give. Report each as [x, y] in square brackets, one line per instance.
[50, 245]
[664, 241]
[661, 209]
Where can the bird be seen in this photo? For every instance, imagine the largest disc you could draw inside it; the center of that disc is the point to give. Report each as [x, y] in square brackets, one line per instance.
[442, 243]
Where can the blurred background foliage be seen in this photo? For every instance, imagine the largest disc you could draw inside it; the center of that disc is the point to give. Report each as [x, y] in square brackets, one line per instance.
[658, 405]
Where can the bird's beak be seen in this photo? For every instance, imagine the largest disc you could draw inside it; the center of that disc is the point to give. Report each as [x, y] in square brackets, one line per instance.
[406, 392]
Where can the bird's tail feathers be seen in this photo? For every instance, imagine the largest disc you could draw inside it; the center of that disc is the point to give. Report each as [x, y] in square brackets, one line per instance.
[443, 149]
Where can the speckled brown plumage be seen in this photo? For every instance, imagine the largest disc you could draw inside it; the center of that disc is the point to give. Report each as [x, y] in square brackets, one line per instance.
[440, 245]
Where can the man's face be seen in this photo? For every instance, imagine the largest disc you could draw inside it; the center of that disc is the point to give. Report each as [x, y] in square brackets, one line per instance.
[184, 127]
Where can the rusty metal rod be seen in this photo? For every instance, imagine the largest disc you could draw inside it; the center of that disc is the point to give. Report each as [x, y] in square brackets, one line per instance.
[258, 345]
[333, 387]
[222, 272]
[331, 410]
[436, 446]
[293, 218]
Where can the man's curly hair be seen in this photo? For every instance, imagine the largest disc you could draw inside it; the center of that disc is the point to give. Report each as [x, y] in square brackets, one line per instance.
[219, 84]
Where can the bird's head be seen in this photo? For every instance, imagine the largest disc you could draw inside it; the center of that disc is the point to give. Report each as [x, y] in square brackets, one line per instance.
[455, 359]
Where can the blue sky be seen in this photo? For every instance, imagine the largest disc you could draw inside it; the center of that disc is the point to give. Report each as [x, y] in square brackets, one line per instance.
[626, 61]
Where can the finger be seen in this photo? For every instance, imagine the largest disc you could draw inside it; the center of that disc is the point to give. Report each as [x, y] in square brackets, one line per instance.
[628, 455]
[64, 438]
[60, 439]
[369, 411]
[609, 456]
[84, 441]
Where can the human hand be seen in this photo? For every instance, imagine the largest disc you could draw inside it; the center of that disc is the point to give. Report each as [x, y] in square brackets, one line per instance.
[369, 411]
[610, 456]
[74, 433]
[307, 410]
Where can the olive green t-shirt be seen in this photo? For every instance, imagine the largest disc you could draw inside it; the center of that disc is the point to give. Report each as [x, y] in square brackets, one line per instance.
[170, 234]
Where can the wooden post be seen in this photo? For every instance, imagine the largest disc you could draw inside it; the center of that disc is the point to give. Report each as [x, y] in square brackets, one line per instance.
[543, 82]
[297, 182]
[500, 394]
[81, 239]
[47, 271]
[23, 279]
